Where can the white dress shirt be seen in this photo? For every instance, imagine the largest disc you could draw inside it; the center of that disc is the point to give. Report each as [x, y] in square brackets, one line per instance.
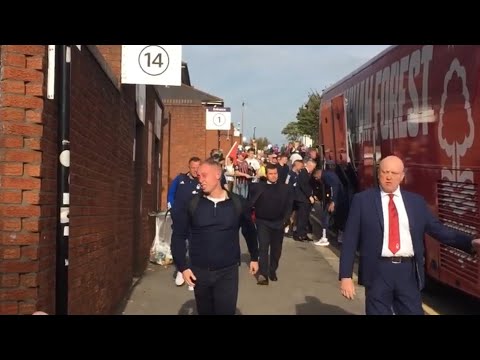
[406, 246]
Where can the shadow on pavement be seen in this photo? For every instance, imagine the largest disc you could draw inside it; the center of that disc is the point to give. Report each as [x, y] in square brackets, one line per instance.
[190, 308]
[313, 306]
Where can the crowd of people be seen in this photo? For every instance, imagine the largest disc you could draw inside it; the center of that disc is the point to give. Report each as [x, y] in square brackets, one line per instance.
[277, 189]
[269, 195]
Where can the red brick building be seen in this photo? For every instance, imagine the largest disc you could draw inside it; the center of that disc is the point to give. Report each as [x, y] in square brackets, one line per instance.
[184, 133]
[115, 141]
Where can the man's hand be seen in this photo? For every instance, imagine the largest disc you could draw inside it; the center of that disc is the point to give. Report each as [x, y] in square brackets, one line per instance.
[189, 277]
[347, 288]
[312, 200]
[253, 267]
[331, 207]
[476, 246]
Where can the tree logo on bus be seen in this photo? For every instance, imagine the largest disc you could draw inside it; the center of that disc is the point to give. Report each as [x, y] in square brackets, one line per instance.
[456, 149]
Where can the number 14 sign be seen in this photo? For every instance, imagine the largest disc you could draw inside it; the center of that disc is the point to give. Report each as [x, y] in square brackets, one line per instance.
[152, 64]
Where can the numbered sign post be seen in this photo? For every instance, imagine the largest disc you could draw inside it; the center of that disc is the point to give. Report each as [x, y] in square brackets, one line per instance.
[218, 118]
[152, 64]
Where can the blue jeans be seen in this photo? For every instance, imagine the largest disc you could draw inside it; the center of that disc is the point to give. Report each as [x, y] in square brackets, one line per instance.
[241, 189]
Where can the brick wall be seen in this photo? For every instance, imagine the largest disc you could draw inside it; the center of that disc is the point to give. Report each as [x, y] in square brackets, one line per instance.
[226, 140]
[103, 247]
[113, 57]
[21, 103]
[108, 245]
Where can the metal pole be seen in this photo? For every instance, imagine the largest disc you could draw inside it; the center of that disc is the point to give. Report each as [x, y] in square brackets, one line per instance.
[243, 127]
[218, 148]
[63, 175]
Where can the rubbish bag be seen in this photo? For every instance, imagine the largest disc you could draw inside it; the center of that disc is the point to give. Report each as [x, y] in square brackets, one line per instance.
[160, 251]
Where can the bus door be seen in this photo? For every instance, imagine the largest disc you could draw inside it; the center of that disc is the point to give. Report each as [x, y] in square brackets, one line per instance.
[326, 129]
[340, 130]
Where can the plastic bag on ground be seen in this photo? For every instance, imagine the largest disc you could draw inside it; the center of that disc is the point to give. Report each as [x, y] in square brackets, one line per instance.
[160, 252]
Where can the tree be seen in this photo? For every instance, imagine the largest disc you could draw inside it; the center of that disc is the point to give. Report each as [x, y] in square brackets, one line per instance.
[262, 142]
[308, 116]
[291, 131]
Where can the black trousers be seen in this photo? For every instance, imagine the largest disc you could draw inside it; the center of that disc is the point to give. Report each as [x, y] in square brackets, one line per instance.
[270, 242]
[303, 218]
[216, 291]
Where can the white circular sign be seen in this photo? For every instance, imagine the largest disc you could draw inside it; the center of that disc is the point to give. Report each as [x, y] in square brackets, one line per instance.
[153, 60]
[219, 119]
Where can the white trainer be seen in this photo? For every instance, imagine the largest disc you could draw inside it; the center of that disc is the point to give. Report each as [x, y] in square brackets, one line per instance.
[323, 240]
[179, 280]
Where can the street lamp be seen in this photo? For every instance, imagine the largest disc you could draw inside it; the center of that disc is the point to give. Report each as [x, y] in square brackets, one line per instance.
[243, 125]
[254, 128]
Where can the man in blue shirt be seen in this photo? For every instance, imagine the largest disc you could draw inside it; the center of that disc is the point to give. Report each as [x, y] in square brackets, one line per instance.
[335, 202]
[181, 190]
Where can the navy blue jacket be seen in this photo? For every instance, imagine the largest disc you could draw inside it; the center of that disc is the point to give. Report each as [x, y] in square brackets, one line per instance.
[331, 180]
[181, 190]
[292, 179]
[283, 172]
[213, 234]
[364, 230]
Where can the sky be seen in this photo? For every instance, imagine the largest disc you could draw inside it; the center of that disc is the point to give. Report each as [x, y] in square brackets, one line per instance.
[272, 80]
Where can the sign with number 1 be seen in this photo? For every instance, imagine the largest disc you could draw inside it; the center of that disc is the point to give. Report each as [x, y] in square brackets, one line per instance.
[152, 64]
[218, 118]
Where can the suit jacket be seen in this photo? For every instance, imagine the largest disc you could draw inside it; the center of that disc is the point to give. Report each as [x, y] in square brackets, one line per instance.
[364, 231]
[303, 190]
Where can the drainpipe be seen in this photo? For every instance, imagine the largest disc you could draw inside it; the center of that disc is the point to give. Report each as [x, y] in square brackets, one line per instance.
[63, 179]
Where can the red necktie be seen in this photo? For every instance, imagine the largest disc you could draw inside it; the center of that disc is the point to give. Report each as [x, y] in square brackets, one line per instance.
[393, 227]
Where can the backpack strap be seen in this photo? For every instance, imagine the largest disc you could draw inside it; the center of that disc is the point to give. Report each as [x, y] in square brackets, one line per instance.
[192, 205]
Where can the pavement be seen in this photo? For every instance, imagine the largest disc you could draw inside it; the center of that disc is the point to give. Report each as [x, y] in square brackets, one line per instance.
[307, 285]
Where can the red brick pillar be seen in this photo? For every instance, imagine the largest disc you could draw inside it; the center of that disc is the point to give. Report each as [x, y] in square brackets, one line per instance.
[21, 129]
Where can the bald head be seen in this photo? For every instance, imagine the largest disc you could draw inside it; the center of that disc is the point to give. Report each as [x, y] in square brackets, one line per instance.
[391, 173]
[392, 161]
[209, 175]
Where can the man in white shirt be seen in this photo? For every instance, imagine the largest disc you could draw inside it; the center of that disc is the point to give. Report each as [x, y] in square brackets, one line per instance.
[387, 225]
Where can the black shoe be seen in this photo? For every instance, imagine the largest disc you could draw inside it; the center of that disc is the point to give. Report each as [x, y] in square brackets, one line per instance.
[297, 238]
[273, 277]
[262, 280]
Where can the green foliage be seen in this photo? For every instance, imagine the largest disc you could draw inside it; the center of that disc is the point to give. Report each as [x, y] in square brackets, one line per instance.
[308, 117]
[291, 131]
[262, 142]
[307, 122]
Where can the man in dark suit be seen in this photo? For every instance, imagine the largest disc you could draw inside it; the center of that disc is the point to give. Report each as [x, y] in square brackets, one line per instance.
[304, 200]
[388, 224]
